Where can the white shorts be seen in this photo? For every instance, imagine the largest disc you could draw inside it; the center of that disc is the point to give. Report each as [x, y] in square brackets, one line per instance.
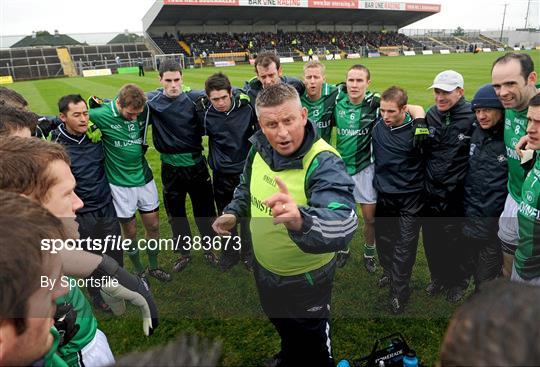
[508, 223]
[516, 278]
[364, 192]
[97, 353]
[127, 200]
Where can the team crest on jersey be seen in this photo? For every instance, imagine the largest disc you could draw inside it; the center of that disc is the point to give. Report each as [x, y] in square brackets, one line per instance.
[501, 158]
[462, 137]
[432, 131]
[341, 113]
[529, 196]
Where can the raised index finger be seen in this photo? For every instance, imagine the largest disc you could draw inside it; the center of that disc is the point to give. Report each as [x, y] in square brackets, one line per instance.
[282, 186]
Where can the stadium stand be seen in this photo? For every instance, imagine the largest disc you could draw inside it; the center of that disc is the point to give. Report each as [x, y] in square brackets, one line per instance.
[169, 45]
[283, 42]
[445, 40]
[104, 55]
[30, 63]
[46, 62]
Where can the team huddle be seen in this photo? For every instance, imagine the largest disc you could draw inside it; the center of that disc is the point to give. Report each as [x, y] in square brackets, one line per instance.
[290, 161]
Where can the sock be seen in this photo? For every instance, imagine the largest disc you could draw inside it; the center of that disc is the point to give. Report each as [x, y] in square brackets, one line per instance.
[369, 250]
[133, 254]
[152, 258]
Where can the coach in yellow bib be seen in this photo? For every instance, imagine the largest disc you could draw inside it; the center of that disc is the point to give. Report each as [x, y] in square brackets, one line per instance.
[300, 199]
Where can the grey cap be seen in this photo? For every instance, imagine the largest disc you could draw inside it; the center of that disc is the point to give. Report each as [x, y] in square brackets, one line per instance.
[448, 80]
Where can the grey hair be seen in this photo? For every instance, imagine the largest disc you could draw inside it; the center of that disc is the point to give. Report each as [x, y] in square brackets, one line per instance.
[276, 95]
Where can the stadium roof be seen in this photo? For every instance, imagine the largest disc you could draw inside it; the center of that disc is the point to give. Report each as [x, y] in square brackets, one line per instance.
[126, 38]
[44, 38]
[231, 12]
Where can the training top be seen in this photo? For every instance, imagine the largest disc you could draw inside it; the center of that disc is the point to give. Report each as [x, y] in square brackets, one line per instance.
[527, 257]
[515, 126]
[176, 128]
[125, 163]
[228, 132]
[85, 319]
[353, 130]
[399, 167]
[321, 111]
[447, 151]
[88, 168]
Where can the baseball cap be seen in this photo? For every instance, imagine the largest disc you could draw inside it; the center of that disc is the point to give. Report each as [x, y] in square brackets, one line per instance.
[448, 80]
[485, 97]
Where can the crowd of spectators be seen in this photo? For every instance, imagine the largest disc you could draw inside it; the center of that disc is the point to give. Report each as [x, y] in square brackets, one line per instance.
[292, 41]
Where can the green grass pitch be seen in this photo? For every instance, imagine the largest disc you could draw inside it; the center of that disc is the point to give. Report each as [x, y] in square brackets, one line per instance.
[225, 306]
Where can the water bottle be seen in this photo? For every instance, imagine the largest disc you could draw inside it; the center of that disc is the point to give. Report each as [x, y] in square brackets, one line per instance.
[343, 363]
[410, 359]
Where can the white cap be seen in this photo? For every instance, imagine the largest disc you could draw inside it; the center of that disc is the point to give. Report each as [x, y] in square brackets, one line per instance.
[448, 80]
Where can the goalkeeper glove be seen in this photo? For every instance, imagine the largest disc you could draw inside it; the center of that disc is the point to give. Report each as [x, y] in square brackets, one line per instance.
[65, 322]
[421, 132]
[130, 288]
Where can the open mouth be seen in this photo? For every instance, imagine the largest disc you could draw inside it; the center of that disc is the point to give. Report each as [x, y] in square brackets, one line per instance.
[284, 144]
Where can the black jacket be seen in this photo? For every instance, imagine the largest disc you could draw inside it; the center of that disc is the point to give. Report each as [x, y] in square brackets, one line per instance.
[447, 151]
[485, 183]
[88, 168]
[228, 133]
[327, 186]
[254, 86]
[399, 167]
[176, 126]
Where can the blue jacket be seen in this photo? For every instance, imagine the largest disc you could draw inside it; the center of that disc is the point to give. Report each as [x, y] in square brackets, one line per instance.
[485, 183]
[176, 126]
[228, 132]
[87, 166]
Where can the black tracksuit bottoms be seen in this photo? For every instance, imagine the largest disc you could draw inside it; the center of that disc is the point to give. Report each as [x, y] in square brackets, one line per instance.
[178, 182]
[485, 256]
[299, 308]
[224, 185]
[446, 253]
[397, 227]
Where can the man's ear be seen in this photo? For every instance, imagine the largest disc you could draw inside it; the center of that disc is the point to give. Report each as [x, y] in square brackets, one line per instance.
[7, 330]
[304, 116]
[62, 117]
[280, 71]
[531, 79]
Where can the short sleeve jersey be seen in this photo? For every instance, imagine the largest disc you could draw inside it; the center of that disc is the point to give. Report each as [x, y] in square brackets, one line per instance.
[354, 124]
[125, 163]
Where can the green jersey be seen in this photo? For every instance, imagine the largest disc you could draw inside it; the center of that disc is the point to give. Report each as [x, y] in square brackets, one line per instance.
[353, 130]
[86, 321]
[527, 257]
[321, 111]
[52, 359]
[515, 126]
[125, 164]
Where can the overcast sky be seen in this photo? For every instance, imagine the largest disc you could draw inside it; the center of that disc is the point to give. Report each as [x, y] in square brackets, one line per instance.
[21, 17]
